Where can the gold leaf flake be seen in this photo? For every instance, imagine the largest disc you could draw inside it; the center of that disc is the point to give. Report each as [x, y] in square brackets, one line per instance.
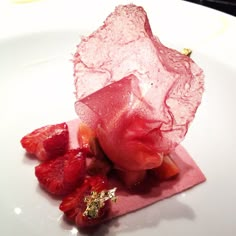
[96, 200]
[187, 52]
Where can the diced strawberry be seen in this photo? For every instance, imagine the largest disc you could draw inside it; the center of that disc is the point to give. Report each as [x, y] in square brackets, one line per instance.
[167, 170]
[75, 206]
[63, 174]
[131, 178]
[47, 142]
[86, 138]
[100, 166]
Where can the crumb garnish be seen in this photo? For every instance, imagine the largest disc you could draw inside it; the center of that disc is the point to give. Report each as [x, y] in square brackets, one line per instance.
[96, 200]
[187, 52]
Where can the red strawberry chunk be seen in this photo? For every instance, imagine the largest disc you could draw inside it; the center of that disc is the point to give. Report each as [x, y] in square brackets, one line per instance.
[63, 174]
[98, 163]
[47, 142]
[74, 205]
[167, 170]
[132, 178]
[86, 138]
[101, 166]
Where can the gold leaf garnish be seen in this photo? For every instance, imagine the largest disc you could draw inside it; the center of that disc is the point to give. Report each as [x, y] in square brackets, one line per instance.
[187, 52]
[96, 200]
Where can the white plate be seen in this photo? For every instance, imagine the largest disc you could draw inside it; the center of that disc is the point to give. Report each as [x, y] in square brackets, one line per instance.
[36, 88]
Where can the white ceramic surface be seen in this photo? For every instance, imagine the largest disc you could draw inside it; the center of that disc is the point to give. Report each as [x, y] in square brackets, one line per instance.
[36, 88]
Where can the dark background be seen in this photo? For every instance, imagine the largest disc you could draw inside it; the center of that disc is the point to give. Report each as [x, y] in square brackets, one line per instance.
[227, 6]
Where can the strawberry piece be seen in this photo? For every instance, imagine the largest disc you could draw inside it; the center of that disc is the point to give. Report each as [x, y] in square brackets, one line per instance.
[131, 179]
[47, 142]
[101, 166]
[99, 163]
[74, 205]
[86, 137]
[167, 170]
[87, 140]
[63, 174]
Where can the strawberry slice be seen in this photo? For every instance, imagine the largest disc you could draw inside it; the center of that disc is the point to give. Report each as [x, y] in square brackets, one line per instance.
[99, 163]
[86, 205]
[131, 179]
[167, 170]
[86, 138]
[47, 142]
[101, 166]
[63, 174]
